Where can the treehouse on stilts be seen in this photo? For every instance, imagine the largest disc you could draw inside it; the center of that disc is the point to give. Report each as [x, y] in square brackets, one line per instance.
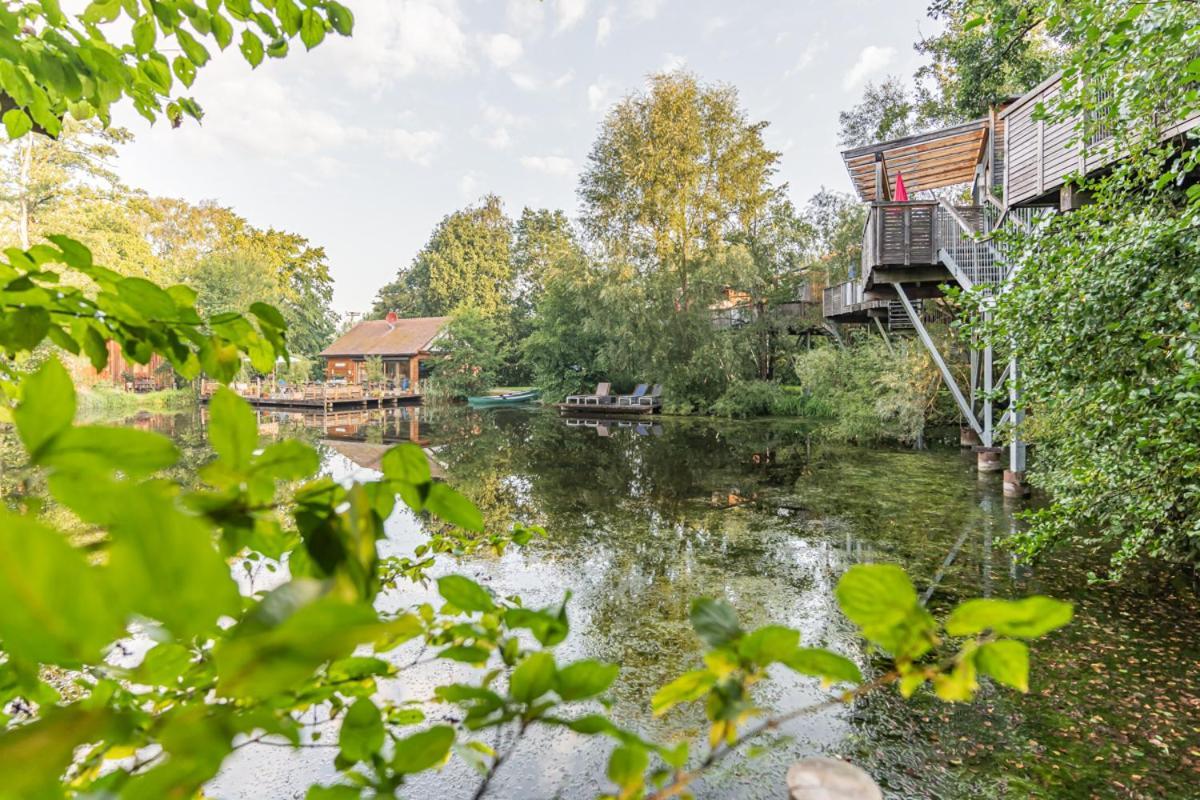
[1017, 168]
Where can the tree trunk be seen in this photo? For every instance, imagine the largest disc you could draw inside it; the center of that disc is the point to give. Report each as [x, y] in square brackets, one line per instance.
[23, 203]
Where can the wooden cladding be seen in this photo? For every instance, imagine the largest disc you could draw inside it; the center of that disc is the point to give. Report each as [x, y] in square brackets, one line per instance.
[900, 234]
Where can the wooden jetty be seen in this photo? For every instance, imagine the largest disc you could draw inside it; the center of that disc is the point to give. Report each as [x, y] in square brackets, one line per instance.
[316, 396]
[606, 409]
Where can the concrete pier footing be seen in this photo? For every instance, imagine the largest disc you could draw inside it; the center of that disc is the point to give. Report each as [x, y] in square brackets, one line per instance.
[989, 459]
[1015, 484]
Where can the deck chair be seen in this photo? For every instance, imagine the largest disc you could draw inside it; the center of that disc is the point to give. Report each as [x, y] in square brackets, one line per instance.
[635, 398]
[654, 399]
[602, 395]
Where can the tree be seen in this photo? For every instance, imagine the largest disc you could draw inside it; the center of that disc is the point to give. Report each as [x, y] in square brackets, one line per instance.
[37, 172]
[230, 663]
[837, 221]
[885, 112]
[1103, 310]
[673, 171]
[979, 59]
[475, 355]
[465, 264]
[544, 245]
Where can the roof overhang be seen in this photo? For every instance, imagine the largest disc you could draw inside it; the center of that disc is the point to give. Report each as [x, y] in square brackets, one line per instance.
[927, 160]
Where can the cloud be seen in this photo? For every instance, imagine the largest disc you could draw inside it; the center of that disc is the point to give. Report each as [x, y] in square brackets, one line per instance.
[806, 57]
[672, 62]
[714, 24]
[569, 13]
[532, 83]
[525, 16]
[502, 49]
[415, 146]
[646, 10]
[469, 185]
[604, 28]
[396, 39]
[599, 94]
[496, 130]
[873, 59]
[559, 166]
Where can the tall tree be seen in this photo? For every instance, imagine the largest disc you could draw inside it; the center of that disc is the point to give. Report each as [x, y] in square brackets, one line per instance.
[979, 58]
[885, 112]
[836, 220]
[545, 243]
[465, 264]
[675, 169]
[38, 172]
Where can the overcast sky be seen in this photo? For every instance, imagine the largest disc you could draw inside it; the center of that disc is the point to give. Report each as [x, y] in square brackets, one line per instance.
[365, 143]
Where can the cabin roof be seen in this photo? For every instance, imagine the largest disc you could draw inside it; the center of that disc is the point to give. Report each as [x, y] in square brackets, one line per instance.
[378, 337]
[927, 160]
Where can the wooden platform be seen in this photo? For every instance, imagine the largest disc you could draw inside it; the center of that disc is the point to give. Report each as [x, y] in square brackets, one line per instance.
[315, 397]
[605, 409]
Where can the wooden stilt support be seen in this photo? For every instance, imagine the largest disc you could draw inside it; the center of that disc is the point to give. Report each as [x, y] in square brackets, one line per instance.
[1015, 484]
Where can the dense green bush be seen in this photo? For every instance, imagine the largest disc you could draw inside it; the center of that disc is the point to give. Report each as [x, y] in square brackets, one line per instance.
[871, 392]
[766, 399]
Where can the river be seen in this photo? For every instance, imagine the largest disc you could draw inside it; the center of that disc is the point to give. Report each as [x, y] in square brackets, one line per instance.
[644, 517]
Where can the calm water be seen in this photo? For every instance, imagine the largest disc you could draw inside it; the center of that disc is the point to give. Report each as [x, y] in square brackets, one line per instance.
[642, 519]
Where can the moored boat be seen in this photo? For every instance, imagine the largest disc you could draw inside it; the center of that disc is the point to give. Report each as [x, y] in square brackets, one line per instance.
[509, 399]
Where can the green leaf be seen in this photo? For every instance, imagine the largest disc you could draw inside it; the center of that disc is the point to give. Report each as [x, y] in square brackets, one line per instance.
[341, 18]
[96, 448]
[312, 28]
[232, 428]
[57, 609]
[423, 750]
[24, 329]
[406, 463]
[17, 123]
[1027, 618]
[533, 677]
[449, 505]
[269, 315]
[465, 594]
[252, 48]
[45, 748]
[145, 32]
[358, 667]
[958, 685]
[1006, 660]
[196, 52]
[714, 621]
[876, 595]
[627, 766]
[47, 406]
[165, 564]
[74, 253]
[362, 733]
[584, 679]
[184, 69]
[769, 644]
[687, 688]
[335, 792]
[823, 664]
[286, 645]
[287, 460]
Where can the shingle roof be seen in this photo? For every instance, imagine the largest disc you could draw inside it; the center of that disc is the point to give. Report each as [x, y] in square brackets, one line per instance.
[377, 337]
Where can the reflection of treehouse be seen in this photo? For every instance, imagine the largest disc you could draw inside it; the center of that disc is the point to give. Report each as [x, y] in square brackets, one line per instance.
[370, 455]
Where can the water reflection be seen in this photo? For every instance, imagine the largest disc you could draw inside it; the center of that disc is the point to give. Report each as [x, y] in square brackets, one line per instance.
[644, 517]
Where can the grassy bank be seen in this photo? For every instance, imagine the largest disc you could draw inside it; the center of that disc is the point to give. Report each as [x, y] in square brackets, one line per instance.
[104, 401]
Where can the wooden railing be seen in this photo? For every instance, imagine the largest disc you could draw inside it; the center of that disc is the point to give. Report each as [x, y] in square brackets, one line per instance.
[899, 234]
[308, 391]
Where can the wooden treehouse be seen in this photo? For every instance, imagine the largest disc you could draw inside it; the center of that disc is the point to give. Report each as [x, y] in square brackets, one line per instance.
[1014, 168]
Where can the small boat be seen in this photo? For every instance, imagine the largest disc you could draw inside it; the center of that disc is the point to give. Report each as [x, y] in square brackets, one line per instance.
[510, 399]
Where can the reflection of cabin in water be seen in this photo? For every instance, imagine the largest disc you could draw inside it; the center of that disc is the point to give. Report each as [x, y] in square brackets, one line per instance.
[404, 347]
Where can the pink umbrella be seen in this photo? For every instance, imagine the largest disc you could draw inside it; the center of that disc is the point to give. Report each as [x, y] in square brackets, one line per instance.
[901, 193]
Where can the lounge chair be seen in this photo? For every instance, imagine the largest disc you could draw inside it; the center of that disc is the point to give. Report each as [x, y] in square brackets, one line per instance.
[633, 399]
[602, 395]
[653, 399]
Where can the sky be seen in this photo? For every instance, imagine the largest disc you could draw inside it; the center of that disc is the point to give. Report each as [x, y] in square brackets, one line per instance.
[363, 144]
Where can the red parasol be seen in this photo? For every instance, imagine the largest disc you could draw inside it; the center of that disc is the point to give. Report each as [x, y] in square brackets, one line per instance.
[901, 193]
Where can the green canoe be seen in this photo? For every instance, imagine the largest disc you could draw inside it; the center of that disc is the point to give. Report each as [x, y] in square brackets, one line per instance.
[510, 399]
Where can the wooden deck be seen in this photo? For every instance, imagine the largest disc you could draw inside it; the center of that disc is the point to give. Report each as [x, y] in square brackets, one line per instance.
[606, 409]
[319, 397]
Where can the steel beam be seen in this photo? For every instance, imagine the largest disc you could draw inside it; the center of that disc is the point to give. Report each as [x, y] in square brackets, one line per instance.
[883, 333]
[947, 376]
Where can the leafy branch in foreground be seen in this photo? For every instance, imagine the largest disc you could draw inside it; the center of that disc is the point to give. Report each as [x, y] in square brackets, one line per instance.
[227, 665]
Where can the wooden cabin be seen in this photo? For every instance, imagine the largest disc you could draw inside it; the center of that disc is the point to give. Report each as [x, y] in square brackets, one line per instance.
[122, 373]
[1015, 168]
[404, 346]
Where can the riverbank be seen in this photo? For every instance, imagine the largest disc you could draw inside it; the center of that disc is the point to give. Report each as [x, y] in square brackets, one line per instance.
[103, 402]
